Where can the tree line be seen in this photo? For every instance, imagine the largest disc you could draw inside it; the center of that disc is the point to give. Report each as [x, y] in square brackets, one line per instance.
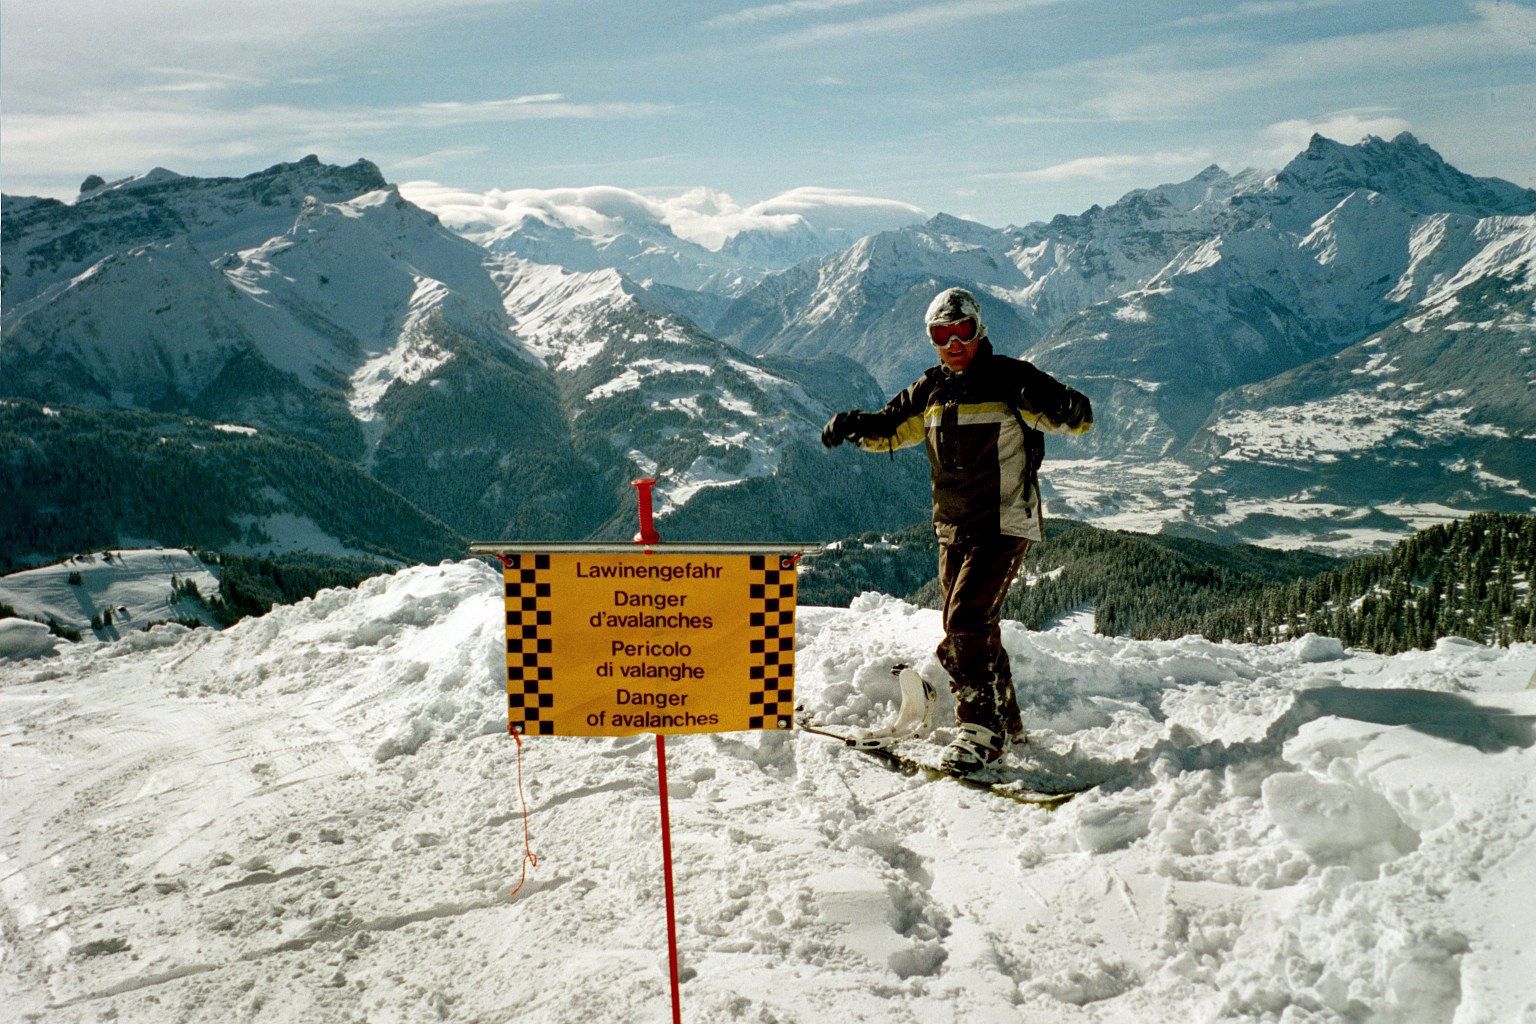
[1471, 578]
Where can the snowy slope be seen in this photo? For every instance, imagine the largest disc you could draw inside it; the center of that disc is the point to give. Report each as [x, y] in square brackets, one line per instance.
[315, 816]
[135, 585]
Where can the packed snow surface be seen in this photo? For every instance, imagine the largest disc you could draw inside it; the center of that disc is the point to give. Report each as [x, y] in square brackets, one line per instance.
[314, 816]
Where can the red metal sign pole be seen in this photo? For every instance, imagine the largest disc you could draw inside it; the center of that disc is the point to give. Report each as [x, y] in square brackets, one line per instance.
[648, 536]
[666, 857]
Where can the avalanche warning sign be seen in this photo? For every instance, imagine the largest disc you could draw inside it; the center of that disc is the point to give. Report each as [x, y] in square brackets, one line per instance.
[606, 643]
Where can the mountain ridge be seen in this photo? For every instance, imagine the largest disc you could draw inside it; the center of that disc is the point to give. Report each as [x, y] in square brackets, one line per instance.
[467, 380]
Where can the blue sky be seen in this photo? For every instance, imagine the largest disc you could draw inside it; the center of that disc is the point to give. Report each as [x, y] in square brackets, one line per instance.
[1002, 110]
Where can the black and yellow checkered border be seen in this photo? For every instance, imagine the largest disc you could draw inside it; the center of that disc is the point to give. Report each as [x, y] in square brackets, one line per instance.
[771, 595]
[529, 700]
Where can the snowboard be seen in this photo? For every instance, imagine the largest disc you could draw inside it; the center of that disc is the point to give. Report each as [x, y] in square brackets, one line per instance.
[913, 758]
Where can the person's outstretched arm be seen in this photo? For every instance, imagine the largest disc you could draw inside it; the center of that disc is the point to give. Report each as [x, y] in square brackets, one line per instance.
[899, 425]
[1047, 404]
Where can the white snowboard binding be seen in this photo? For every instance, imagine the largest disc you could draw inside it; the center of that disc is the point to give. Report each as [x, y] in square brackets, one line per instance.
[914, 717]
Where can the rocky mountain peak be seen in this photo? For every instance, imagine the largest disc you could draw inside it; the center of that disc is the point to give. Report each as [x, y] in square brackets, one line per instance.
[1412, 173]
[333, 181]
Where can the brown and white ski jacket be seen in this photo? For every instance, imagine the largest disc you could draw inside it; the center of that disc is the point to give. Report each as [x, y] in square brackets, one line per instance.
[983, 429]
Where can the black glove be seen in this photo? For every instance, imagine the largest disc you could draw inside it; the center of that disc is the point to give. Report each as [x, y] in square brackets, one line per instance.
[1078, 411]
[844, 425]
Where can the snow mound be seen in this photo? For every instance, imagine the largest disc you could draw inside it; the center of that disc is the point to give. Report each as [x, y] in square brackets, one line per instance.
[422, 650]
[22, 638]
[316, 815]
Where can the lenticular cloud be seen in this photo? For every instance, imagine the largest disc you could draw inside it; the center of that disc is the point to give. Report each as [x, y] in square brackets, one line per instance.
[701, 215]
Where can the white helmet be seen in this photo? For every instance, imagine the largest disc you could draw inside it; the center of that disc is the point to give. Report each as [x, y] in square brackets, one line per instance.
[953, 305]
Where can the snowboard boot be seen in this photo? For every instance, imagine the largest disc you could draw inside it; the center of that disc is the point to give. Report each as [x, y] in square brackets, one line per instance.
[976, 747]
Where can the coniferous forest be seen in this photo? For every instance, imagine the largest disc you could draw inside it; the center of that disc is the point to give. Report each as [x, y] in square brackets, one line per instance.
[1470, 578]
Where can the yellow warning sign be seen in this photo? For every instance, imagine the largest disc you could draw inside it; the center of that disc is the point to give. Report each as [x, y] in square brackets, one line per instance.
[604, 644]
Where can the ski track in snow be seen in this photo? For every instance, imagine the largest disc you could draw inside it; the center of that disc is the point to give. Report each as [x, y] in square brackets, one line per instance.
[314, 816]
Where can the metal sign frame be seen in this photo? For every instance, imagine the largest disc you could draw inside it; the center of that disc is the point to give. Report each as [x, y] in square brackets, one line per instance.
[505, 547]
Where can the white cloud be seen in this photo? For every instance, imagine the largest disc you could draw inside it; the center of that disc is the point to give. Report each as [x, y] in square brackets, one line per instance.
[1178, 77]
[910, 20]
[1256, 9]
[125, 140]
[1027, 118]
[1109, 167]
[830, 209]
[701, 215]
[1284, 139]
[195, 80]
[437, 157]
[773, 12]
[1517, 21]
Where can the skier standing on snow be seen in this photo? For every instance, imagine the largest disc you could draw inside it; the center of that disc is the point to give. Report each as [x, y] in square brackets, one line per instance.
[980, 416]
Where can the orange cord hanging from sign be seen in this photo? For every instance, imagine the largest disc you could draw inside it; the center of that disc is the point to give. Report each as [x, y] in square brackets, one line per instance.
[530, 859]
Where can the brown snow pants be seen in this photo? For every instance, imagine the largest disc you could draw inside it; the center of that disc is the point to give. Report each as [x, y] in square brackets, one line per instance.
[974, 576]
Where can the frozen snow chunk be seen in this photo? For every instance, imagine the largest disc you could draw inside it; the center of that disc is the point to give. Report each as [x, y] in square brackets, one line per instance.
[872, 601]
[1313, 648]
[1336, 823]
[1425, 984]
[923, 959]
[406, 741]
[1094, 983]
[1462, 646]
[1108, 826]
[22, 638]
[166, 634]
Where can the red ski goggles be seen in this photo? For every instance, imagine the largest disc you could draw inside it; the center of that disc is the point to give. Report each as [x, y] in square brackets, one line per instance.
[960, 330]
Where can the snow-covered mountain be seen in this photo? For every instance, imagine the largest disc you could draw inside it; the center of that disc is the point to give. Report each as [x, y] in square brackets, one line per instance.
[351, 318]
[48, 243]
[1028, 279]
[1435, 408]
[1411, 173]
[316, 815]
[1162, 303]
[1342, 242]
[322, 303]
[867, 301]
[731, 439]
[356, 320]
